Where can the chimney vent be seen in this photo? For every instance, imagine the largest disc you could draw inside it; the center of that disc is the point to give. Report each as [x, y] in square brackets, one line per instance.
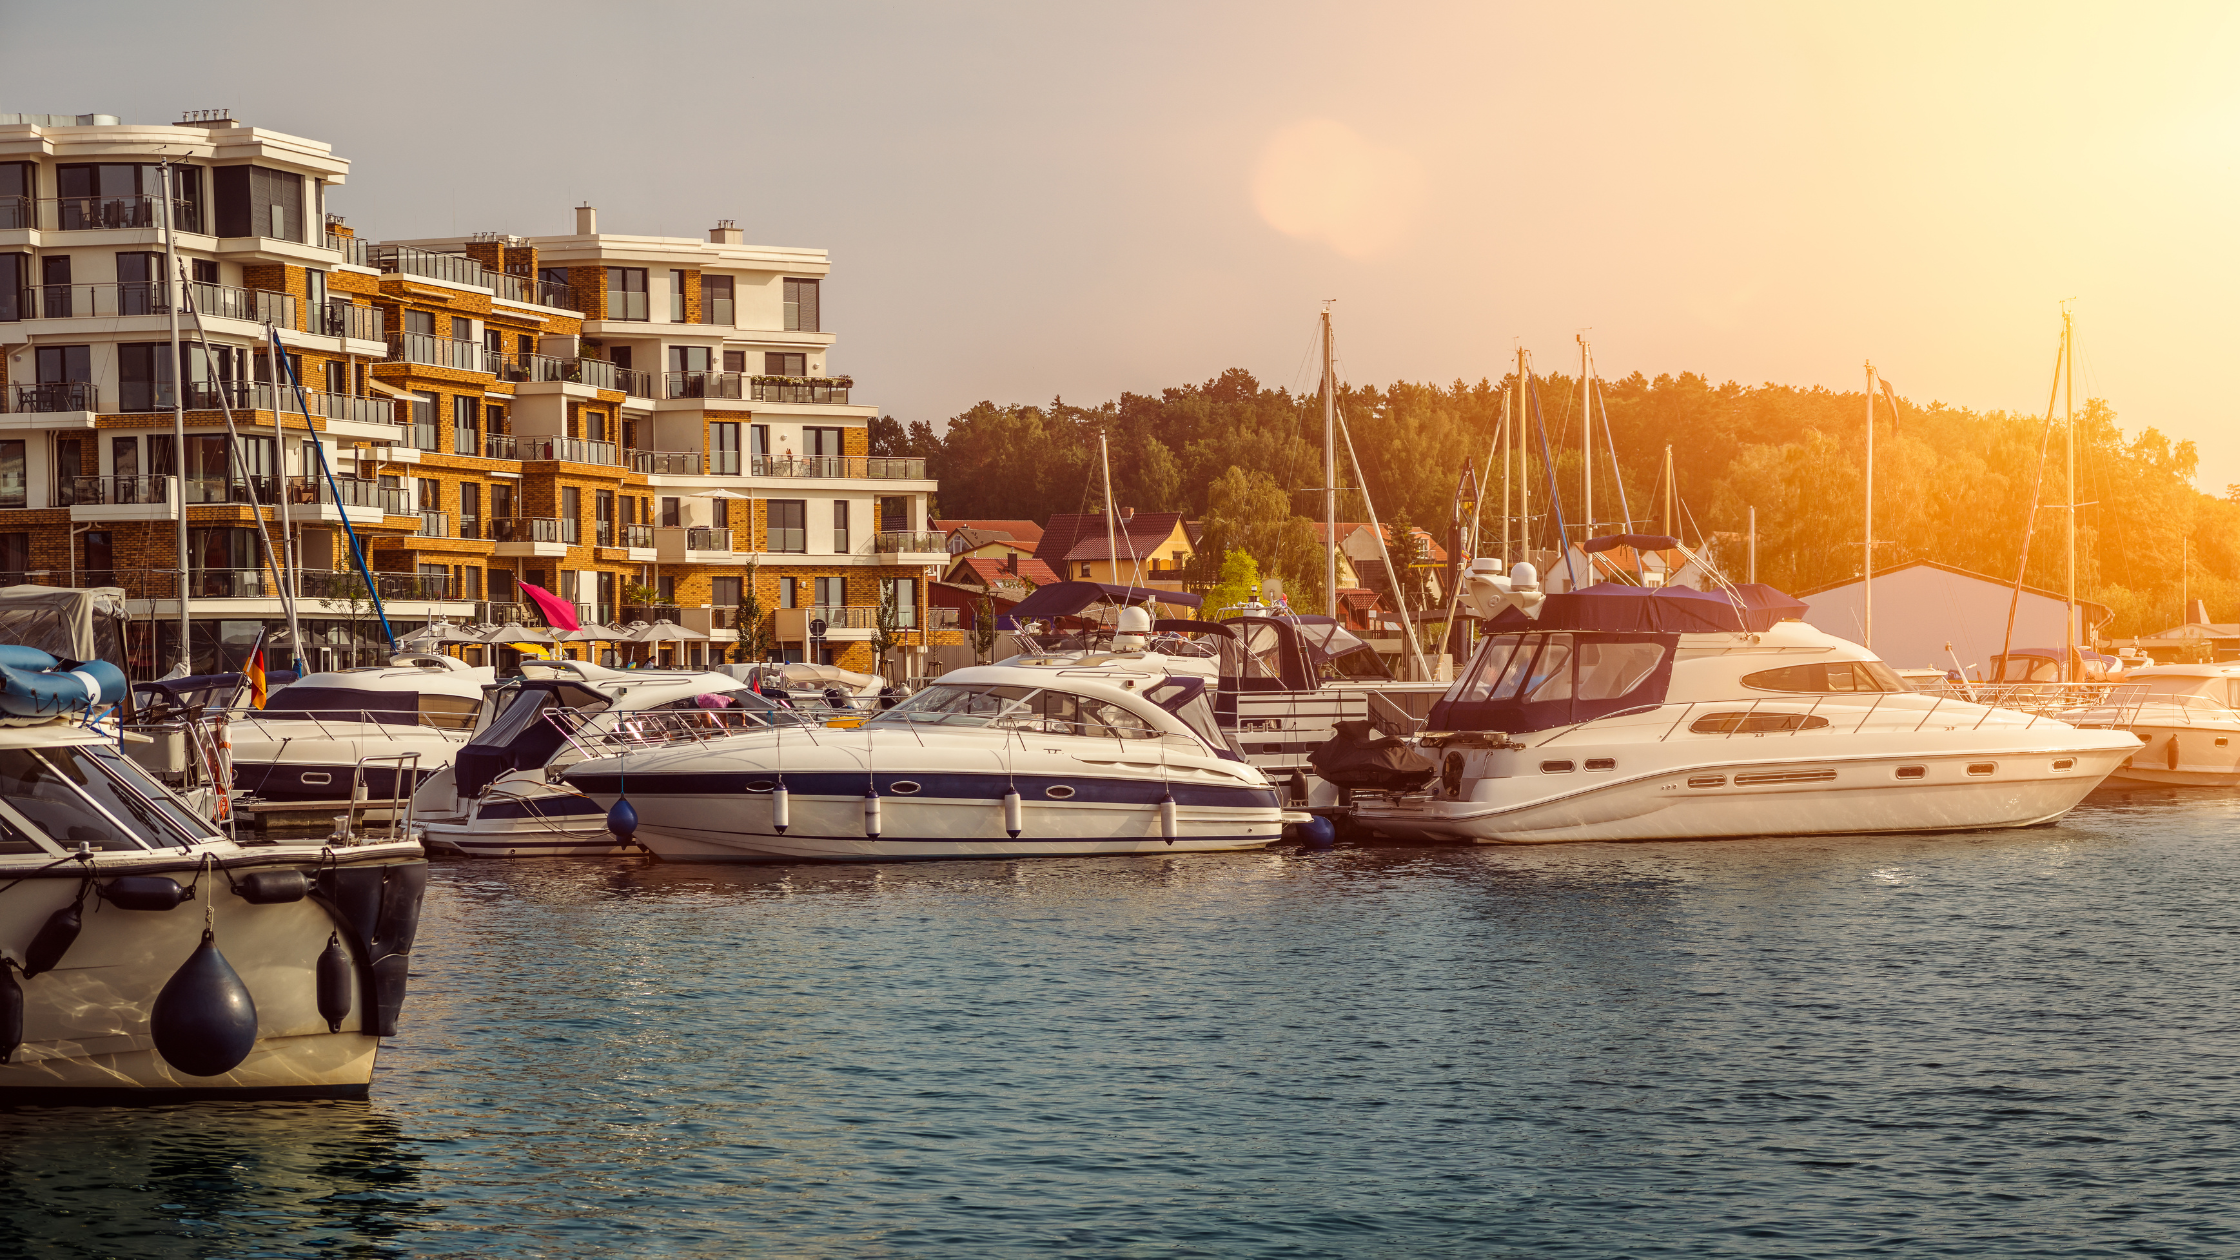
[2197, 613]
[726, 232]
[587, 220]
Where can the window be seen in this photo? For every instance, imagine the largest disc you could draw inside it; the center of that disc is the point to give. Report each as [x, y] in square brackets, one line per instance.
[139, 283]
[464, 440]
[58, 300]
[676, 297]
[719, 513]
[68, 467]
[423, 408]
[420, 323]
[429, 493]
[789, 592]
[100, 559]
[840, 527]
[470, 511]
[894, 513]
[801, 307]
[904, 594]
[143, 376]
[824, 442]
[789, 530]
[124, 456]
[832, 592]
[462, 328]
[715, 308]
[1827, 677]
[775, 364]
[19, 187]
[123, 195]
[338, 377]
[723, 448]
[471, 581]
[13, 486]
[665, 589]
[254, 201]
[15, 557]
[602, 508]
[688, 358]
[734, 360]
[314, 289]
[571, 515]
[1747, 723]
[724, 592]
[205, 270]
[15, 274]
[758, 438]
[620, 357]
[626, 293]
[57, 364]
[669, 512]
[595, 426]
[501, 500]
[553, 275]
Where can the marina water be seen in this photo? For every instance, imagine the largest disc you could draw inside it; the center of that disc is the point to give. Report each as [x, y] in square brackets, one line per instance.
[2009, 1043]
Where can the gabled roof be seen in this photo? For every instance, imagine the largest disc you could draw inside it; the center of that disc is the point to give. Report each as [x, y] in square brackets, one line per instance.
[1078, 536]
[2105, 612]
[1346, 529]
[1027, 533]
[986, 571]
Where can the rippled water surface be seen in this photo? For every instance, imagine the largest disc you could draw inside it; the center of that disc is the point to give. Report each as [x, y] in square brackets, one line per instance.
[2016, 1043]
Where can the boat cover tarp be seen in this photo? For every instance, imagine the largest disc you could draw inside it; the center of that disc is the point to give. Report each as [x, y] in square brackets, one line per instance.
[1656, 610]
[1543, 679]
[1066, 599]
[1356, 758]
[76, 625]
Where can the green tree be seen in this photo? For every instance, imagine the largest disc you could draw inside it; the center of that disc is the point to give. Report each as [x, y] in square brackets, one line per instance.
[889, 633]
[1239, 582]
[754, 635]
[984, 627]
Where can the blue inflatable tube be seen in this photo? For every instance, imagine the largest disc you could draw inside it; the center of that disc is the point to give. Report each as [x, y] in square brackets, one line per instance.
[34, 684]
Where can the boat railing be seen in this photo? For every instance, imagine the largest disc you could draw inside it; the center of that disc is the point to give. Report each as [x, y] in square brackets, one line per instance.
[603, 734]
[1795, 714]
[395, 816]
[2077, 703]
[456, 727]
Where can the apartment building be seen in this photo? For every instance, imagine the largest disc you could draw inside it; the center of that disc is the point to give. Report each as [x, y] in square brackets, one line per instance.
[643, 425]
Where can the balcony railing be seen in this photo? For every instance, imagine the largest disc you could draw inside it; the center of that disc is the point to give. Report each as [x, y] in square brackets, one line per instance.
[535, 292]
[683, 463]
[902, 467]
[543, 529]
[434, 525]
[568, 450]
[500, 446]
[93, 214]
[626, 306]
[15, 212]
[55, 396]
[597, 373]
[703, 385]
[204, 488]
[637, 535]
[358, 323]
[435, 351]
[802, 389]
[121, 490]
[848, 618]
[332, 406]
[410, 261]
[355, 250]
[470, 527]
[350, 492]
[334, 589]
[108, 301]
[707, 538]
[221, 301]
[889, 541]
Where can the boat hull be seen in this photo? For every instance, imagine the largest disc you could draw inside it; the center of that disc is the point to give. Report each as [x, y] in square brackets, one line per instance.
[1794, 796]
[307, 761]
[88, 1022]
[2196, 754]
[548, 825]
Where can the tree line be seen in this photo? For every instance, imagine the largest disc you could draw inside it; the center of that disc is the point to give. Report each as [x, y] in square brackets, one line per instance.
[1951, 485]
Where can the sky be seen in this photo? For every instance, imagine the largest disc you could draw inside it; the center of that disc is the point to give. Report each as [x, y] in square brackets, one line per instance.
[1029, 201]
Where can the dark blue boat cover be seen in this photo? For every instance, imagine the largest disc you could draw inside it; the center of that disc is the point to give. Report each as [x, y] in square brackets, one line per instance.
[1064, 599]
[1656, 610]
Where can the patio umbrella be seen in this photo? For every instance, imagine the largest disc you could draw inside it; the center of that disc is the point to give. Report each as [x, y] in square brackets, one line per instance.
[434, 637]
[666, 631]
[725, 494]
[515, 632]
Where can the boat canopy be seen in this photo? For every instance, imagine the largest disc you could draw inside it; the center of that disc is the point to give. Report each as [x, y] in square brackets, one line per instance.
[1657, 610]
[76, 625]
[1067, 599]
[1537, 680]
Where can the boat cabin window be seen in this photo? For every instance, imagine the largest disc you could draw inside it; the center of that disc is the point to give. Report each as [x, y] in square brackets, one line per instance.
[1036, 710]
[1337, 655]
[1536, 667]
[1754, 723]
[68, 793]
[1827, 677]
[145, 785]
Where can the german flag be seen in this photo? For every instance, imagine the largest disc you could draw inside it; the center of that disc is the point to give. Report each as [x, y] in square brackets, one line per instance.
[256, 679]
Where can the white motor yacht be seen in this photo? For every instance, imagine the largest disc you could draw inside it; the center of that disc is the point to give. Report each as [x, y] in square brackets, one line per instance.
[502, 797]
[311, 736]
[153, 959]
[1632, 713]
[2188, 720]
[1057, 755]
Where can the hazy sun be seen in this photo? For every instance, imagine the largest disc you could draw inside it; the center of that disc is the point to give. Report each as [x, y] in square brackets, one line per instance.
[1322, 181]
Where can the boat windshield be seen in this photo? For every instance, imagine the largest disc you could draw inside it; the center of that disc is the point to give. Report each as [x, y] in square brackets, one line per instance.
[1828, 677]
[1338, 655]
[348, 704]
[1036, 710]
[77, 797]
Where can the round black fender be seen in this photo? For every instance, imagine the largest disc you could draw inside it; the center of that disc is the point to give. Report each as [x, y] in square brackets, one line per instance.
[272, 888]
[204, 1022]
[334, 983]
[144, 892]
[11, 1014]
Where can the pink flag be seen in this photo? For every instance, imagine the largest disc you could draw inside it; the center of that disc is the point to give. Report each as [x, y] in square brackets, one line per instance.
[557, 612]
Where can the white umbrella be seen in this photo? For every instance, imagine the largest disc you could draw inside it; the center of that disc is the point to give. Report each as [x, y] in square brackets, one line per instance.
[666, 631]
[515, 632]
[725, 494]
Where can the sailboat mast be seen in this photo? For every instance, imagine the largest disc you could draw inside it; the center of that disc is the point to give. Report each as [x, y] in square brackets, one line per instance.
[1111, 549]
[1586, 443]
[1508, 478]
[1866, 583]
[1524, 469]
[2069, 422]
[1329, 470]
[178, 420]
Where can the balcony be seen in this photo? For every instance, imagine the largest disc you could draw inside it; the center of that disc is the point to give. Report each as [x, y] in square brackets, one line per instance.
[568, 450]
[706, 538]
[333, 406]
[597, 373]
[15, 212]
[527, 529]
[333, 589]
[434, 525]
[802, 389]
[98, 214]
[900, 467]
[888, 542]
[465, 356]
[115, 491]
[532, 291]
[109, 301]
[355, 250]
[257, 306]
[341, 319]
[409, 261]
[637, 535]
[359, 492]
[500, 446]
[54, 396]
[681, 463]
